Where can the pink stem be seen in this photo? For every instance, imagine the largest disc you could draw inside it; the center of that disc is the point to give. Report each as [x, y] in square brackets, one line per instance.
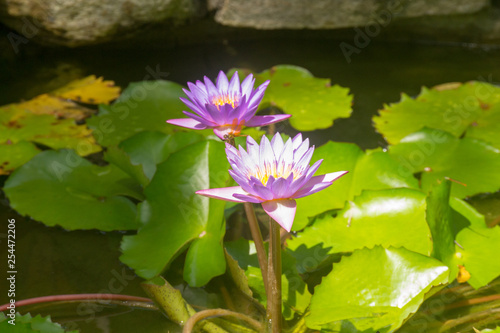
[75, 297]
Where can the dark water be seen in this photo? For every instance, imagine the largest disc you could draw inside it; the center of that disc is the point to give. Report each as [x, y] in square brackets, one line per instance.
[55, 261]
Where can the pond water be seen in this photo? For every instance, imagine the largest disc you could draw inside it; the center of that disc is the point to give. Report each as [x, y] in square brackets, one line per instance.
[55, 261]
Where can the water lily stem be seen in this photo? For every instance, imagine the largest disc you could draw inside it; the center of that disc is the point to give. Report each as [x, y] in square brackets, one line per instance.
[274, 279]
[217, 313]
[257, 239]
[255, 231]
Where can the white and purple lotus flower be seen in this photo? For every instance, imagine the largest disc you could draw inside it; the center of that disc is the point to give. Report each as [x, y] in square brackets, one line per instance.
[225, 107]
[273, 174]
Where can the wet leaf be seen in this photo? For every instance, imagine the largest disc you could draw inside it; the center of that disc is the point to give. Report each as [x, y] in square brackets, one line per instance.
[12, 156]
[17, 125]
[52, 105]
[313, 103]
[371, 170]
[477, 246]
[27, 324]
[441, 223]
[393, 217]
[438, 154]
[472, 108]
[91, 90]
[375, 289]
[61, 188]
[143, 106]
[174, 217]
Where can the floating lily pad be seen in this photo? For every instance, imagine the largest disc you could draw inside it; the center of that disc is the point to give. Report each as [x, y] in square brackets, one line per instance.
[143, 106]
[313, 103]
[438, 154]
[91, 90]
[375, 289]
[174, 217]
[61, 188]
[140, 154]
[472, 108]
[371, 170]
[14, 155]
[28, 324]
[394, 217]
[18, 125]
[477, 246]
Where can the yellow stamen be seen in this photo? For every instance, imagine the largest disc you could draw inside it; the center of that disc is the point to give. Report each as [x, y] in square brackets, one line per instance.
[223, 99]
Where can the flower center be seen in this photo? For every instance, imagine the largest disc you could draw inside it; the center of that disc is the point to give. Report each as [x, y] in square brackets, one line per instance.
[223, 99]
[277, 171]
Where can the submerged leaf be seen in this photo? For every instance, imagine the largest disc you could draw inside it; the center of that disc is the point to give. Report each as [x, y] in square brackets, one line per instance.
[27, 324]
[61, 188]
[375, 289]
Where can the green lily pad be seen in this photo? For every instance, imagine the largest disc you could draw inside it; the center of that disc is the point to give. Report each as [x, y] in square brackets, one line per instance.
[394, 217]
[313, 103]
[174, 218]
[12, 156]
[143, 106]
[438, 154]
[472, 108]
[440, 219]
[375, 289]
[61, 188]
[371, 170]
[477, 246]
[140, 154]
[29, 324]
[17, 125]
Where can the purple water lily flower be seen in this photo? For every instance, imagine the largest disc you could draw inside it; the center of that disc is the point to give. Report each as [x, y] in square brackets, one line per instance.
[225, 107]
[273, 174]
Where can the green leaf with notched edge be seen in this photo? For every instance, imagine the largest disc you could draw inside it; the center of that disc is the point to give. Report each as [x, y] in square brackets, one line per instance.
[173, 217]
[29, 324]
[12, 156]
[313, 103]
[371, 170]
[17, 125]
[472, 108]
[394, 217]
[61, 188]
[143, 106]
[438, 154]
[477, 246]
[375, 289]
[140, 154]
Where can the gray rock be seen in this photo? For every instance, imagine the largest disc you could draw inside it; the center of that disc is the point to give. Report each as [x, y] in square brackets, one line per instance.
[82, 22]
[331, 14]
